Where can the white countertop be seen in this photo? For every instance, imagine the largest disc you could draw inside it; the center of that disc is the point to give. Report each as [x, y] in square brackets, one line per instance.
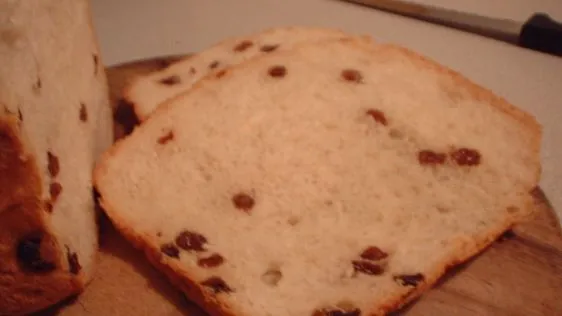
[136, 29]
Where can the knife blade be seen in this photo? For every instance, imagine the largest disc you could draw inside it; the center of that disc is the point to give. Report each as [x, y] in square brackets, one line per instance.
[540, 32]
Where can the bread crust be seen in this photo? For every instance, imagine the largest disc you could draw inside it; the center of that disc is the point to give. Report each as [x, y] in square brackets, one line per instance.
[22, 214]
[185, 282]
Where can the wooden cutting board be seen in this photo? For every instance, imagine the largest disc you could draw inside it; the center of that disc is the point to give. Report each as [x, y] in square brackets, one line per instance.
[520, 274]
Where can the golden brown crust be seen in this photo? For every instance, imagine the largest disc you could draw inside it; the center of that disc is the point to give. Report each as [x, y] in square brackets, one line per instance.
[24, 290]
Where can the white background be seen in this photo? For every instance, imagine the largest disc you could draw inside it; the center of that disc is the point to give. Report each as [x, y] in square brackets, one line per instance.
[136, 29]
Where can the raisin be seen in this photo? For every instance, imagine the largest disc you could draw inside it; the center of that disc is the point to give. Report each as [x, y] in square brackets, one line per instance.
[352, 75]
[217, 285]
[166, 138]
[378, 116]
[53, 164]
[268, 48]
[242, 46]
[83, 113]
[96, 63]
[214, 64]
[277, 71]
[367, 267]
[409, 279]
[191, 241]
[428, 157]
[125, 116]
[337, 312]
[73, 262]
[212, 261]
[170, 250]
[48, 206]
[507, 235]
[171, 80]
[243, 201]
[373, 253]
[55, 189]
[466, 157]
[29, 255]
[221, 73]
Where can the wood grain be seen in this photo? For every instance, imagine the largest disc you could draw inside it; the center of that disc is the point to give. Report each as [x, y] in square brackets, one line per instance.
[520, 274]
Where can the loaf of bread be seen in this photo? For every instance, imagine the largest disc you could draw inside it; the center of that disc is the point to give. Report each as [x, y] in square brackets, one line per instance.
[55, 120]
[146, 92]
[336, 178]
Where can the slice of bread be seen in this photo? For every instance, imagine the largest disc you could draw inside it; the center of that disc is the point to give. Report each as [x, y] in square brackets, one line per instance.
[145, 93]
[333, 179]
[55, 120]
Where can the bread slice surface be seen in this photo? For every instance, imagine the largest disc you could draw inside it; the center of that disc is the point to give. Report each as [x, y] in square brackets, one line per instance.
[147, 92]
[332, 177]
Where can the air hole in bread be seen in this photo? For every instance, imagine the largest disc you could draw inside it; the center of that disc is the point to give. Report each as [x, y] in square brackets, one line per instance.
[272, 276]
[466, 157]
[73, 262]
[192, 71]
[28, 254]
[277, 71]
[378, 116]
[352, 75]
[164, 139]
[170, 250]
[293, 220]
[242, 46]
[170, 80]
[159, 234]
[216, 285]
[429, 157]
[269, 48]
[83, 112]
[53, 164]
[55, 190]
[20, 115]
[125, 115]
[37, 85]
[409, 279]
[211, 261]
[243, 201]
[214, 64]
[513, 209]
[442, 209]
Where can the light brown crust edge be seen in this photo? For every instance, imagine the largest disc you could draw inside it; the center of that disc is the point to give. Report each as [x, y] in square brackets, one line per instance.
[22, 213]
[185, 282]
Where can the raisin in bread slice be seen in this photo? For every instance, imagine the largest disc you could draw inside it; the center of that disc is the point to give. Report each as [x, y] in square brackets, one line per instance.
[332, 179]
[146, 92]
[55, 119]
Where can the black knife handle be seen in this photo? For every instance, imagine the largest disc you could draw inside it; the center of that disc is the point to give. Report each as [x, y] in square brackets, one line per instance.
[542, 33]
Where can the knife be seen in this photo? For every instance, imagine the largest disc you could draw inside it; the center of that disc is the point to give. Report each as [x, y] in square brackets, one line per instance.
[540, 32]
